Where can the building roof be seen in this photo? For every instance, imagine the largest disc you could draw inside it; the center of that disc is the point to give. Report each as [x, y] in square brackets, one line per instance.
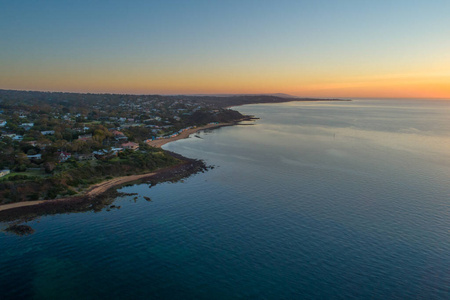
[130, 144]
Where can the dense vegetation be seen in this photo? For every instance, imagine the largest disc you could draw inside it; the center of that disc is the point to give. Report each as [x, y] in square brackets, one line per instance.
[73, 176]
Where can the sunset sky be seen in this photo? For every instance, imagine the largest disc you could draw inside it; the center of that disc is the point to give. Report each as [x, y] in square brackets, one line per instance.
[348, 48]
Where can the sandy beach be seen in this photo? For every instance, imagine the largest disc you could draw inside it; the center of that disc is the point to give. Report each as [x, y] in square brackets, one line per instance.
[185, 134]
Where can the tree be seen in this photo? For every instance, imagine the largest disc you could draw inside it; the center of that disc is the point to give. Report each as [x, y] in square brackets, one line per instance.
[49, 167]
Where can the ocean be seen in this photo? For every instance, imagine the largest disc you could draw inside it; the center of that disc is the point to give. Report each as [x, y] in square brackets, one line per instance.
[315, 200]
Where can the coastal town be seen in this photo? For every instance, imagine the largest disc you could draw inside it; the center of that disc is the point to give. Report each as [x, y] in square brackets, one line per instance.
[52, 136]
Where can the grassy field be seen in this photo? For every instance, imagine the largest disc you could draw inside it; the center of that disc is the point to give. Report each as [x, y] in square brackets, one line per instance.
[29, 173]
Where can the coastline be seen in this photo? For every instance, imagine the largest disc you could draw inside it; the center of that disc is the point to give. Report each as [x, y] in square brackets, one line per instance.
[91, 192]
[101, 188]
[185, 134]
[101, 195]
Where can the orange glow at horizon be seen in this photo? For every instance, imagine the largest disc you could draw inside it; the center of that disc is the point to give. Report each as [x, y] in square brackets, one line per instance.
[426, 85]
[436, 88]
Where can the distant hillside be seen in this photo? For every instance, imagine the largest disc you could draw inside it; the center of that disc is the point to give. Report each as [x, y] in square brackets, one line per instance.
[281, 95]
[218, 101]
[236, 100]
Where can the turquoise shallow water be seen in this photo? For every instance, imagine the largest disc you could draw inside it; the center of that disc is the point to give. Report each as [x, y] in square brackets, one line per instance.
[332, 200]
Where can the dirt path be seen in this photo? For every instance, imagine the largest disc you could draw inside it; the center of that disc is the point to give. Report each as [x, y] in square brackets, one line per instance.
[93, 191]
[106, 185]
[20, 204]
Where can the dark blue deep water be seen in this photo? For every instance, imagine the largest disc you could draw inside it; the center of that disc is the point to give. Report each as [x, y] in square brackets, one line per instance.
[330, 200]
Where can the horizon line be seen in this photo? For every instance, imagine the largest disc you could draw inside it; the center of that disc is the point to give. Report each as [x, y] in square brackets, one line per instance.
[276, 94]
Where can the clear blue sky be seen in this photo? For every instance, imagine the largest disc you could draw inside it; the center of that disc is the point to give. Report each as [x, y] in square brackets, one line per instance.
[349, 48]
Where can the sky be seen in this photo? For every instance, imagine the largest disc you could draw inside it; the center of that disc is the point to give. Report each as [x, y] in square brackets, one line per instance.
[321, 48]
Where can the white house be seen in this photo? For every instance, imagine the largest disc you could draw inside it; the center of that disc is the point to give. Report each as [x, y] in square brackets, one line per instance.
[35, 156]
[4, 172]
[48, 132]
[64, 156]
[17, 137]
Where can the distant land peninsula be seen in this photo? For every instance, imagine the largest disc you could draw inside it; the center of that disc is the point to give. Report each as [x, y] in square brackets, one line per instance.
[57, 145]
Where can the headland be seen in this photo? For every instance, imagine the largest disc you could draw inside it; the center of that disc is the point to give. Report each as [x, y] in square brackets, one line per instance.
[62, 148]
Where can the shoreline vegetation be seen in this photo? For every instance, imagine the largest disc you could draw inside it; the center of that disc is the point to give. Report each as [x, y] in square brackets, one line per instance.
[99, 196]
[91, 192]
[98, 189]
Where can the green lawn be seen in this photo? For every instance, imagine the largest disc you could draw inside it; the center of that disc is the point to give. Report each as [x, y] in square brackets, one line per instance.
[38, 173]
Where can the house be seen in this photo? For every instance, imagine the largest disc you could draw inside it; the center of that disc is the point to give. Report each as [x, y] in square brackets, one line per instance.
[64, 156]
[2, 123]
[4, 172]
[119, 136]
[35, 156]
[48, 132]
[104, 153]
[26, 126]
[131, 146]
[80, 157]
[100, 152]
[17, 137]
[10, 135]
[84, 129]
[117, 132]
[116, 150]
[85, 137]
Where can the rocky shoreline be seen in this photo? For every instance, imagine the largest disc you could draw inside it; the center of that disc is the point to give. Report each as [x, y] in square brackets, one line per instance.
[98, 202]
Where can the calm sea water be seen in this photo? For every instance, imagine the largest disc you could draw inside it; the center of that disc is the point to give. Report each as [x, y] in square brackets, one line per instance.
[332, 200]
